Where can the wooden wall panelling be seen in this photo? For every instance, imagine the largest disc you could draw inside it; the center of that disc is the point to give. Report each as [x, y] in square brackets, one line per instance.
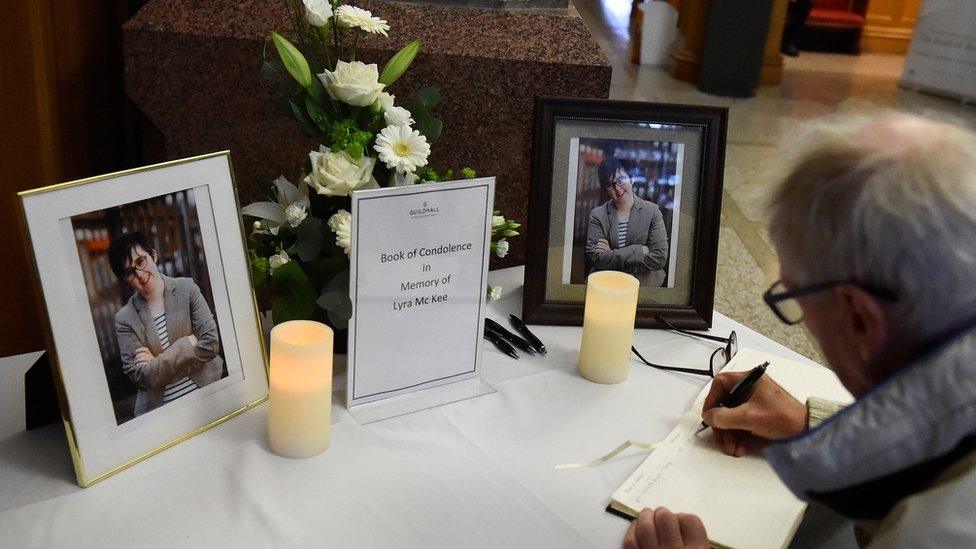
[889, 26]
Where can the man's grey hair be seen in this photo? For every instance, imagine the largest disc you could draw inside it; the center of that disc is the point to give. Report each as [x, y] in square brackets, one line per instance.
[887, 200]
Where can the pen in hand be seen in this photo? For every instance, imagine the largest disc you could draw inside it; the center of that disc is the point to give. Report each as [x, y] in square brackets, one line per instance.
[741, 392]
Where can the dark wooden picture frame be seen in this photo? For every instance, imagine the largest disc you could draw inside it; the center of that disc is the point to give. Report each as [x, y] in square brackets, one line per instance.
[711, 121]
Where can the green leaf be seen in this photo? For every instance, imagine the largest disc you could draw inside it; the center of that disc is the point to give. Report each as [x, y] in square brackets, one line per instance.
[316, 113]
[399, 63]
[294, 296]
[468, 173]
[317, 91]
[424, 100]
[309, 238]
[323, 269]
[428, 97]
[273, 69]
[338, 306]
[304, 122]
[294, 61]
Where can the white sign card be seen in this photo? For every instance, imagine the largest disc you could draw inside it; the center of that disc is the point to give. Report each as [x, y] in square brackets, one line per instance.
[417, 278]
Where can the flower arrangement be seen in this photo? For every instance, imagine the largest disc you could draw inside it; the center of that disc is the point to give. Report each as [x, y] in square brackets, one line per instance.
[300, 241]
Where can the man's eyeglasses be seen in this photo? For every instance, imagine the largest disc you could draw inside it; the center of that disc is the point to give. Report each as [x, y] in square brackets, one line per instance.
[785, 306]
[720, 357]
[138, 265]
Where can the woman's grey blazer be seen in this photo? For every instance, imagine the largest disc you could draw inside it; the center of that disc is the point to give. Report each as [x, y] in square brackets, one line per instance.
[186, 313]
[645, 228]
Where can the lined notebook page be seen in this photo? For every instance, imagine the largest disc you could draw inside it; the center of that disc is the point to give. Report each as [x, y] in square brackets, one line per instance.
[740, 500]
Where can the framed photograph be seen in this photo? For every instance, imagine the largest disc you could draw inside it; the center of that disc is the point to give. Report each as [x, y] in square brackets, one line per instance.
[624, 186]
[154, 331]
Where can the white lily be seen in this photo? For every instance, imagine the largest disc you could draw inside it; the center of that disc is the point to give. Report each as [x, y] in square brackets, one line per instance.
[290, 209]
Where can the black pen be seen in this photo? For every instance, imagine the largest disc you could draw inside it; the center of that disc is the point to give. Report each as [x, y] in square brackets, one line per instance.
[741, 391]
[501, 344]
[515, 340]
[529, 336]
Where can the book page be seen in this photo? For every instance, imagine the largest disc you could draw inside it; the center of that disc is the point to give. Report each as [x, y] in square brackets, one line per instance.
[740, 500]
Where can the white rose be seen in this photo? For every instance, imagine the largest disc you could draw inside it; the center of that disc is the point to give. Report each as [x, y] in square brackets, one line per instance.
[497, 220]
[278, 259]
[354, 83]
[397, 116]
[317, 12]
[501, 249]
[495, 293]
[295, 214]
[338, 174]
[341, 225]
[383, 102]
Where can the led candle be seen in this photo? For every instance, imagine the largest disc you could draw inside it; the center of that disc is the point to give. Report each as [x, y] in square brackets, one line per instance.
[608, 326]
[300, 400]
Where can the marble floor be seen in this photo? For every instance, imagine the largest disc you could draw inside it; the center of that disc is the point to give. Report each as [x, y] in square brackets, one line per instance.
[814, 84]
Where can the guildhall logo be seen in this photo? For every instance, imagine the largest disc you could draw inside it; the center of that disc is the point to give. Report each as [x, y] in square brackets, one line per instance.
[426, 210]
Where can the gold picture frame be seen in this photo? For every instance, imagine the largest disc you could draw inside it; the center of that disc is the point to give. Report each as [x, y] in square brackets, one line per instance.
[85, 475]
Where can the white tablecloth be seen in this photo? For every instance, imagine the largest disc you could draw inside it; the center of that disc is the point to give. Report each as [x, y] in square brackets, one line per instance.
[475, 473]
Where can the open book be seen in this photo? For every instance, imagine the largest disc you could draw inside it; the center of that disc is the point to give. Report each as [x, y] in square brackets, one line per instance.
[740, 500]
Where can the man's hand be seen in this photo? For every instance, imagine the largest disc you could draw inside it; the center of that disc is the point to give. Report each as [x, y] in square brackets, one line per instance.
[602, 245]
[193, 339]
[769, 413]
[144, 355]
[662, 529]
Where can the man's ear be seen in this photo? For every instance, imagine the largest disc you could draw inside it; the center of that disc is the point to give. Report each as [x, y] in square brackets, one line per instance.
[867, 318]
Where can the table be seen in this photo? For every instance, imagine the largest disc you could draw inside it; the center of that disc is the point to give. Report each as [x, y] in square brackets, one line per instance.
[475, 473]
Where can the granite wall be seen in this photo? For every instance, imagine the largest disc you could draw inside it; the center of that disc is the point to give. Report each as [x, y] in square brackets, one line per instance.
[192, 67]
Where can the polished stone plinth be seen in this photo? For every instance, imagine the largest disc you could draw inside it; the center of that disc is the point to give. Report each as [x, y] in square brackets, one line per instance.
[192, 67]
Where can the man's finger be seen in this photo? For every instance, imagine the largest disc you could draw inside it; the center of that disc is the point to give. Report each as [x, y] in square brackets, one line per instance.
[692, 531]
[720, 388]
[668, 531]
[645, 532]
[741, 417]
[630, 538]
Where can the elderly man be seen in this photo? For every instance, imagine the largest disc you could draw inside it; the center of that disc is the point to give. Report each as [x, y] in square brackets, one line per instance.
[875, 227]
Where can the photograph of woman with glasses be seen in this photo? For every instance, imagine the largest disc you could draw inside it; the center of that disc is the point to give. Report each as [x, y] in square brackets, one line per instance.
[626, 233]
[151, 299]
[166, 332]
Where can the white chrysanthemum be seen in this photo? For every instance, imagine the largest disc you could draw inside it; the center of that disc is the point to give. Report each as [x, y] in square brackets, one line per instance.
[501, 249]
[402, 148]
[497, 220]
[397, 116]
[278, 259]
[295, 214]
[495, 293]
[317, 12]
[353, 17]
[341, 225]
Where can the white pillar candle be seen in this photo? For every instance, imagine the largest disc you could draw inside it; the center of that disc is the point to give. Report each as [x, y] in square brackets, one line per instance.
[300, 400]
[608, 326]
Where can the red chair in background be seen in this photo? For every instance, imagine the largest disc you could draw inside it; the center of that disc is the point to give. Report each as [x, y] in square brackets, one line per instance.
[836, 23]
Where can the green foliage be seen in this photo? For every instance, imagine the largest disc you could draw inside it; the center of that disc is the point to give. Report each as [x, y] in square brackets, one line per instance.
[294, 296]
[420, 106]
[347, 136]
[308, 242]
[468, 173]
[399, 63]
[260, 268]
[293, 60]
[338, 306]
